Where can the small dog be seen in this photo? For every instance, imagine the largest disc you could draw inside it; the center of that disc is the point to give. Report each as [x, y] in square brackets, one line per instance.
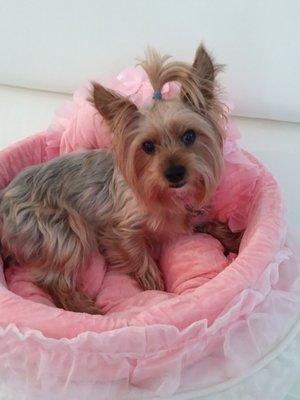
[165, 163]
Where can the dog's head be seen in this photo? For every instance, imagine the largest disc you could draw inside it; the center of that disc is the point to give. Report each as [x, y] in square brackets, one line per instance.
[172, 146]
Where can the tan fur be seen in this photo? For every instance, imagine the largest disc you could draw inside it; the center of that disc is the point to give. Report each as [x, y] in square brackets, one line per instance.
[118, 201]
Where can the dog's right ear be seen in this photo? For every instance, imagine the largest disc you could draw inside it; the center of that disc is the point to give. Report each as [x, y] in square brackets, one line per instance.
[111, 105]
[200, 89]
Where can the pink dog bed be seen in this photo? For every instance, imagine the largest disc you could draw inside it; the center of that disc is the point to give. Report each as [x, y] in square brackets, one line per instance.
[218, 317]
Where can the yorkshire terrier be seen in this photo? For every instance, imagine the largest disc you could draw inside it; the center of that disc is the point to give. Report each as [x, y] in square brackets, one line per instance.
[165, 163]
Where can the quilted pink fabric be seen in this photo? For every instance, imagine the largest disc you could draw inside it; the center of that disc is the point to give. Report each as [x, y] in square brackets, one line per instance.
[217, 317]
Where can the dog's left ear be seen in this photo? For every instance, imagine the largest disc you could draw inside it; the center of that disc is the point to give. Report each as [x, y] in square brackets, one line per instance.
[112, 106]
[201, 93]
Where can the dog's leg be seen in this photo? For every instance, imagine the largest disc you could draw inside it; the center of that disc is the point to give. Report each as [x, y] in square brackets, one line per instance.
[148, 274]
[230, 240]
[127, 251]
[55, 245]
[66, 254]
[65, 293]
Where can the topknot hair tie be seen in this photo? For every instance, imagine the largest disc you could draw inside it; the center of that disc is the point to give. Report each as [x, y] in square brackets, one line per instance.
[157, 95]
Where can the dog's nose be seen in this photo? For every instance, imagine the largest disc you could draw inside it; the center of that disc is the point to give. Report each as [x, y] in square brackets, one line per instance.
[175, 173]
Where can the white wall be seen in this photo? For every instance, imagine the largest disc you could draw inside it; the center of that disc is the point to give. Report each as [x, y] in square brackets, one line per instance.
[57, 45]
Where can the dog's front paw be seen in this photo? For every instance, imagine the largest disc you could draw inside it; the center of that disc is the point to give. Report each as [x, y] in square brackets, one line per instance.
[230, 240]
[151, 280]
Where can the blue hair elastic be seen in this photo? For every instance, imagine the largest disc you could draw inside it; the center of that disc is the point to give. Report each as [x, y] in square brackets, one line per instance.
[157, 95]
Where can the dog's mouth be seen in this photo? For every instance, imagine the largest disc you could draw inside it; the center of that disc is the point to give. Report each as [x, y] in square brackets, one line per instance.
[177, 185]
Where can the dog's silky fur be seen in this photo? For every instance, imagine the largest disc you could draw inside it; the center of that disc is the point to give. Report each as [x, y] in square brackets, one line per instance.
[55, 215]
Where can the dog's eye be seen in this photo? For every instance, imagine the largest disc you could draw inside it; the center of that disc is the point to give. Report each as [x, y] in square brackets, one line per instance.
[148, 146]
[189, 137]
